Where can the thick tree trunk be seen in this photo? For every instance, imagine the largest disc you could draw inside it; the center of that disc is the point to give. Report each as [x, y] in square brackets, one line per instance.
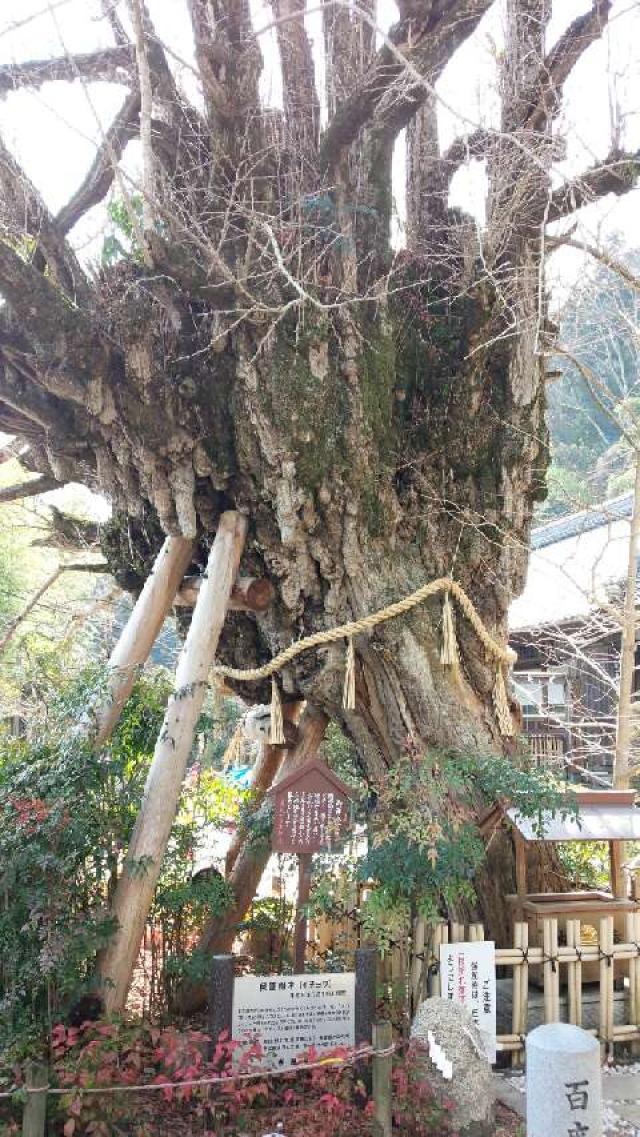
[251, 861]
[138, 880]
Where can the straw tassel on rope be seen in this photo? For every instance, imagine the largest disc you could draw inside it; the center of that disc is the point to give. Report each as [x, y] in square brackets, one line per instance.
[349, 688]
[503, 655]
[276, 734]
[449, 648]
[233, 752]
[501, 704]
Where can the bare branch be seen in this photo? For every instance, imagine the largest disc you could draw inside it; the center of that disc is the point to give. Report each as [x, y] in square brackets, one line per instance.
[112, 65]
[412, 57]
[600, 393]
[23, 212]
[64, 531]
[349, 48]
[229, 59]
[617, 174]
[466, 147]
[598, 254]
[101, 174]
[559, 64]
[146, 110]
[39, 593]
[109, 8]
[28, 489]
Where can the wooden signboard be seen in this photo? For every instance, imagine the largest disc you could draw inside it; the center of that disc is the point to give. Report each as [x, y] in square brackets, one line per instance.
[311, 810]
[310, 815]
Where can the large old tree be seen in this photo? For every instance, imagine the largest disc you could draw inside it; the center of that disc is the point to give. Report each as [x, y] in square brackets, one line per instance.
[378, 417]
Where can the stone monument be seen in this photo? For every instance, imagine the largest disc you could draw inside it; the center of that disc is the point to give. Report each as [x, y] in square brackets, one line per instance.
[456, 1064]
[564, 1082]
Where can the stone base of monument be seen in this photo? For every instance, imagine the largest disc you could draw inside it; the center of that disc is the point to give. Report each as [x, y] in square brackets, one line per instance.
[456, 1064]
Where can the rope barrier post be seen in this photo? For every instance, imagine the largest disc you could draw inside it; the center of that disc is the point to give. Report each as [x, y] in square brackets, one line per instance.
[221, 997]
[34, 1117]
[382, 1065]
[365, 1005]
[365, 1008]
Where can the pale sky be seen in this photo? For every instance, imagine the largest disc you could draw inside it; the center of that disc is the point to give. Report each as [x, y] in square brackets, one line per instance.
[54, 131]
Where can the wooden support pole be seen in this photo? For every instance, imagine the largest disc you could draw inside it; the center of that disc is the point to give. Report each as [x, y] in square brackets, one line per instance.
[382, 1069]
[575, 974]
[417, 963]
[606, 981]
[631, 933]
[550, 971]
[141, 630]
[219, 933]
[262, 778]
[524, 980]
[457, 933]
[521, 867]
[440, 936]
[555, 971]
[134, 893]
[34, 1116]
[250, 594]
[517, 985]
[304, 889]
[618, 882]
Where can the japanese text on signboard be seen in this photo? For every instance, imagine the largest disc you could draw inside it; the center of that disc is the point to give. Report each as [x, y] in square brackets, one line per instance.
[287, 1014]
[309, 820]
[468, 976]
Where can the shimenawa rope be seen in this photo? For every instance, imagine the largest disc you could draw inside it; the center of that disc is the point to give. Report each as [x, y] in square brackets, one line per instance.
[503, 655]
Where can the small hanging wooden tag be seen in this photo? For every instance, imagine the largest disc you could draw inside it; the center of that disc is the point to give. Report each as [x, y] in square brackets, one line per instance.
[276, 734]
[501, 704]
[349, 688]
[449, 650]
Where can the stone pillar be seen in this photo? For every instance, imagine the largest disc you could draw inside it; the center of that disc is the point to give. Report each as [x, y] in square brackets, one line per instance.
[564, 1082]
[365, 1008]
[220, 997]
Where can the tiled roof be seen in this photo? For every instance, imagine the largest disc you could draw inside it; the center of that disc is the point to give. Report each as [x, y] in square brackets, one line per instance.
[582, 522]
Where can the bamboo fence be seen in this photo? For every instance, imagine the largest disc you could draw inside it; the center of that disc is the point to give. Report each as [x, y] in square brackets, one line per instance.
[554, 958]
[414, 965]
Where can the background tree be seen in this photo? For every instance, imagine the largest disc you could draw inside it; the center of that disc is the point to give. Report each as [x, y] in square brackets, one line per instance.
[599, 325]
[595, 404]
[379, 418]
